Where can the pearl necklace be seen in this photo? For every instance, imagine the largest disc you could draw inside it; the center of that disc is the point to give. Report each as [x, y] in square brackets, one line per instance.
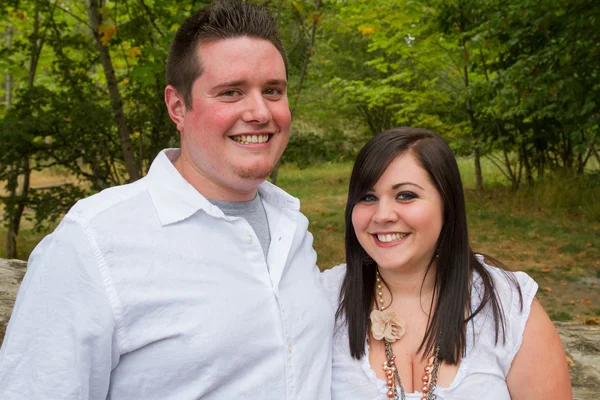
[429, 378]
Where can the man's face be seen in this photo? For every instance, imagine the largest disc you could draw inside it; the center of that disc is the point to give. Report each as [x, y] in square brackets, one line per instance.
[239, 123]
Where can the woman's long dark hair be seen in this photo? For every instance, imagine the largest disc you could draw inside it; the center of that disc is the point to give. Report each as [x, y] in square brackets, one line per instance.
[456, 262]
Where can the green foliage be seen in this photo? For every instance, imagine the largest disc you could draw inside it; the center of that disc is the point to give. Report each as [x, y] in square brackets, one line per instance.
[48, 205]
[518, 81]
[308, 149]
[517, 78]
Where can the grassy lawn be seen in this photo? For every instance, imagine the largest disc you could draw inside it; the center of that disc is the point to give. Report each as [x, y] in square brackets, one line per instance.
[552, 233]
[558, 247]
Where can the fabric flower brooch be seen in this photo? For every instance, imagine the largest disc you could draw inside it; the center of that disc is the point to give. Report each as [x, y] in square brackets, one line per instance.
[386, 324]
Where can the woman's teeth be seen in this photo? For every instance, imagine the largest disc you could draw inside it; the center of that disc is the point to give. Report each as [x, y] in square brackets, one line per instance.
[391, 237]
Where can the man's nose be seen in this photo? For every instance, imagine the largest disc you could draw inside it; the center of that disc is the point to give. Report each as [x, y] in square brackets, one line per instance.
[257, 109]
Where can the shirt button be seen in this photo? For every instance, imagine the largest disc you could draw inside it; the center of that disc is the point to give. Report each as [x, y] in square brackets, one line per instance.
[289, 348]
[249, 238]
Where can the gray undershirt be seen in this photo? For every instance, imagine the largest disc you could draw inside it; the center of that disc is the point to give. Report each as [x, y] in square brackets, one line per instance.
[254, 213]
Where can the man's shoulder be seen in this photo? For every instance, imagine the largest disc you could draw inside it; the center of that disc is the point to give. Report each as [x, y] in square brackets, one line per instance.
[332, 281]
[277, 196]
[113, 199]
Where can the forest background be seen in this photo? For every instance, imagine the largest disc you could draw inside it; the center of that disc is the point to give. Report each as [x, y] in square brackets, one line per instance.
[513, 86]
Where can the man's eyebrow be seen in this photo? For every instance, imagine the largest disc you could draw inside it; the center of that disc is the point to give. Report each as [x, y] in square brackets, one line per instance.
[397, 185]
[241, 82]
[277, 82]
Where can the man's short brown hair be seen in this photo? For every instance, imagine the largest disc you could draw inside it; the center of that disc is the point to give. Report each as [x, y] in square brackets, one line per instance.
[222, 19]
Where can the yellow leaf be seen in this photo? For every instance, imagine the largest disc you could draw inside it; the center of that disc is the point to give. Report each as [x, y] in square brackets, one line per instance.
[366, 30]
[133, 52]
[547, 288]
[570, 362]
[106, 32]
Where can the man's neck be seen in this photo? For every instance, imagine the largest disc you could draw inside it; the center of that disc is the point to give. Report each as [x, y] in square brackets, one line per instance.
[208, 188]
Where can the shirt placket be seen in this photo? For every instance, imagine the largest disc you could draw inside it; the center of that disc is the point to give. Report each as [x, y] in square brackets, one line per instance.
[278, 255]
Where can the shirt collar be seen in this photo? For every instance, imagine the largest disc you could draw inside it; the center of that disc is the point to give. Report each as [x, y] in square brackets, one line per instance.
[175, 199]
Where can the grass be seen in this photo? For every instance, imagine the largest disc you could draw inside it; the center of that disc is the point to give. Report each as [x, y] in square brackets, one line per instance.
[492, 177]
[560, 316]
[555, 241]
[552, 232]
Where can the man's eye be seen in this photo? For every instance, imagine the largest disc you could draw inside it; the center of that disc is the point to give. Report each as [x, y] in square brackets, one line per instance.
[406, 196]
[230, 93]
[273, 92]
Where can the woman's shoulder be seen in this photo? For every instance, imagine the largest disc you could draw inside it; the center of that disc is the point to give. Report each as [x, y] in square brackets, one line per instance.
[332, 281]
[515, 292]
[507, 284]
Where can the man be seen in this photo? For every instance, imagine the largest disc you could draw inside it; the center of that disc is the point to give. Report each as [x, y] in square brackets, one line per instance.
[198, 281]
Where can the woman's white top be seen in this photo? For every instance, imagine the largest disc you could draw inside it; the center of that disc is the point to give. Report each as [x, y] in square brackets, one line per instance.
[482, 372]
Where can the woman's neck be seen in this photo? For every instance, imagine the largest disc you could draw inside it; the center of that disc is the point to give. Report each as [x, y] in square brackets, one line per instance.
[410, 283]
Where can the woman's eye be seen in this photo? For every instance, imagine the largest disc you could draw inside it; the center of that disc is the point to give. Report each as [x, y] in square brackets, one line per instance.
[406, 196]
[368, 198]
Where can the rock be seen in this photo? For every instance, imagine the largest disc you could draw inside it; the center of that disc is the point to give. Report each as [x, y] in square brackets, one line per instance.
[582, 342]
[11, 274]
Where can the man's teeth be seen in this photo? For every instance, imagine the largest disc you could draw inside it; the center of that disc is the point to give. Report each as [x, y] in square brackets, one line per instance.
[246, 139]
[391, 237]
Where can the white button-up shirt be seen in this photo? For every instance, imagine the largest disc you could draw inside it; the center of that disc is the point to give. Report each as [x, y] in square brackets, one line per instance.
[148, 291]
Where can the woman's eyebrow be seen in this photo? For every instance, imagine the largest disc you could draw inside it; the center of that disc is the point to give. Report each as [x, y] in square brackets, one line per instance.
[397, 185]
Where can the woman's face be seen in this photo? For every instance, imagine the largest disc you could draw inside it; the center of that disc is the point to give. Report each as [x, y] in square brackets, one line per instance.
[399, 221]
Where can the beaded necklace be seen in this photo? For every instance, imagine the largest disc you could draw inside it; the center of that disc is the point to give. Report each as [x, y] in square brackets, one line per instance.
[393, 382]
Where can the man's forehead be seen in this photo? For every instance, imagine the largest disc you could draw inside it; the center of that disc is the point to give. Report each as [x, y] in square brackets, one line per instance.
[238, 42]
[234, 61]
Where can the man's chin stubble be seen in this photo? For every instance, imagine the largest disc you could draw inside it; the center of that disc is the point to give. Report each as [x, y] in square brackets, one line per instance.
[253, 174]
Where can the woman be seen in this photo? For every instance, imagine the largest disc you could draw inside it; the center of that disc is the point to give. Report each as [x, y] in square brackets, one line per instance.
[419, 315]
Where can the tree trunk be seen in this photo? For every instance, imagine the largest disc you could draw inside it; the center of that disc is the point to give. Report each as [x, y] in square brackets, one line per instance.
[471, 114]
[313, 33]
[475, 141]
[8, 84]
[95, 20]
[11, 237]
[527, 164]
[14, 212]
[595, 152]
[17, 184]
[477, 162]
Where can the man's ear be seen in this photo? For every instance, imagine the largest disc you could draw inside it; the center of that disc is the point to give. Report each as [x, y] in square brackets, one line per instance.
[175, 106]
